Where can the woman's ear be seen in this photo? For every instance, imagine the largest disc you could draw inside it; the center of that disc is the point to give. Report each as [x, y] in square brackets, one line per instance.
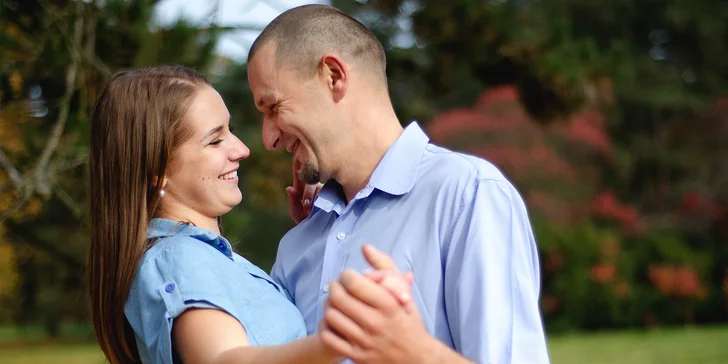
[164, 182]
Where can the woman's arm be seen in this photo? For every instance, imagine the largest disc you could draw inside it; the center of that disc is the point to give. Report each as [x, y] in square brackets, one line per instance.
[213, 336]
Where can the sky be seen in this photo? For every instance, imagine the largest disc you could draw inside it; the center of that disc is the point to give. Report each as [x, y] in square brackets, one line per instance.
[230, 13]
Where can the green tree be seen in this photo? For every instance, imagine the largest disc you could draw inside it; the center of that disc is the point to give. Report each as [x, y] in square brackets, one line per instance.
[56, 55]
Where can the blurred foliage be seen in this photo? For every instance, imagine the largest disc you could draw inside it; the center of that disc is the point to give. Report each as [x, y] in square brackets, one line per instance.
[609, 116]
[55, 57]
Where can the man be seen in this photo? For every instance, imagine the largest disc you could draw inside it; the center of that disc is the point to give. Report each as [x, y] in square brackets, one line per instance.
[452, 220]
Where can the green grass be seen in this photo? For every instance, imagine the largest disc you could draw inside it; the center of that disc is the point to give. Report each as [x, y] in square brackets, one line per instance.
[47, 354]
[703, 345]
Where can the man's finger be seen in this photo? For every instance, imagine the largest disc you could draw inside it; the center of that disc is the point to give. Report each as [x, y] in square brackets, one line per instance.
[378, 276]
[357, 311]
[378, 259]
[397, 285]
[366, 291]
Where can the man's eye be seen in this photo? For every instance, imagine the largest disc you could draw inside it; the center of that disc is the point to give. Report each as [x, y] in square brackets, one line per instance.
[231, 128]
[270, 108]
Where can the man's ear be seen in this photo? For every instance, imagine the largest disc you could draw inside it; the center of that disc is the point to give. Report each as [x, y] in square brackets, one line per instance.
[336, 74]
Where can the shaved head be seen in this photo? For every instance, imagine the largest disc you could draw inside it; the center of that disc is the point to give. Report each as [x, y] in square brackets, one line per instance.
[305, 33]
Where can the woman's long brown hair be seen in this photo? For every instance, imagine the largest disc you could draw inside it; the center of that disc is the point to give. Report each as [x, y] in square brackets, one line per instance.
[138, 122]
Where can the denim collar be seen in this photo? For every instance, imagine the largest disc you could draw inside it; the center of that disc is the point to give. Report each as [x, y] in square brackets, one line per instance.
[162, 228]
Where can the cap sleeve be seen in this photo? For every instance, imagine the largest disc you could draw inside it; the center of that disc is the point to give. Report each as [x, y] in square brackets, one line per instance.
[177, 274]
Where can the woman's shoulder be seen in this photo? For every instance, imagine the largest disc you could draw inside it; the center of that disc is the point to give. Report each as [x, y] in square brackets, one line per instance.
[179, 248]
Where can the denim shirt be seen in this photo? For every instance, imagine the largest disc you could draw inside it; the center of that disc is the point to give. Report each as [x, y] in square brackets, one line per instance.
[190, 267]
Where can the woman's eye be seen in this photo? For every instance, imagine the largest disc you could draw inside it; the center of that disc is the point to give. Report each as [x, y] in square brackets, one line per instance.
[216, 142]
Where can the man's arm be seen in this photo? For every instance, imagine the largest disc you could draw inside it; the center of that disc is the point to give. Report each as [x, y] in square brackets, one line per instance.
[492, 279]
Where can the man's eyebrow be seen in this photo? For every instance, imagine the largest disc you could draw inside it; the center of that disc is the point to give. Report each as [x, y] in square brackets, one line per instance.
[211, 132]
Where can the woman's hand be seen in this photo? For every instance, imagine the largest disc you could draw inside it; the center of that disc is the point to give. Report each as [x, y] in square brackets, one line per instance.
[300, 198]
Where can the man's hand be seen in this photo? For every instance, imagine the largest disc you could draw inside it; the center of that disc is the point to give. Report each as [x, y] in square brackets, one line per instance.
[300, 198]
[366, 323]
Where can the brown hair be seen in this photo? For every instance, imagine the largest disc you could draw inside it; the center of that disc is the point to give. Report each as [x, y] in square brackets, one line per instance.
[303, 34]
[138, 122]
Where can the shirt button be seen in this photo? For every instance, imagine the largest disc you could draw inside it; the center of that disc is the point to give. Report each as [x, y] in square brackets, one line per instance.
[340, 236]
[221, 245]
[169, 288]
[326, 288]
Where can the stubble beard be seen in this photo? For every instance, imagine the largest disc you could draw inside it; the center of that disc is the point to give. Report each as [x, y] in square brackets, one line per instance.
[309, 174]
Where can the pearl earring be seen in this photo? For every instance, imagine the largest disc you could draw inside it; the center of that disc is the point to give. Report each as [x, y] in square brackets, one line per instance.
[161, 193]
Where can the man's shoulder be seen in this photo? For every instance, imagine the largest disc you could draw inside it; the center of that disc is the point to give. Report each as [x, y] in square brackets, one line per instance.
[445, 165]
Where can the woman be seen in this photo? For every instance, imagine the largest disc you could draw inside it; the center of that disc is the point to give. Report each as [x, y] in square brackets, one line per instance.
[163, 169]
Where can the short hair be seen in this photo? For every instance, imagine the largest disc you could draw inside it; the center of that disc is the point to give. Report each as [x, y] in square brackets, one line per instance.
[303, 34]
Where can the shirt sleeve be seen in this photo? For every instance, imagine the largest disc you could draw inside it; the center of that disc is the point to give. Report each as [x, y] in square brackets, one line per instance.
[179, 276]
[492, 278]
[276, 274]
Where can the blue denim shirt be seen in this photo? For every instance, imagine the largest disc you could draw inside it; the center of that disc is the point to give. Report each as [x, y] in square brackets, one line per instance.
[191, 267]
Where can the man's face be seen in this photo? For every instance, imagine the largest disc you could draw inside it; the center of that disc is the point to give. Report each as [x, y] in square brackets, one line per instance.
[298, 115]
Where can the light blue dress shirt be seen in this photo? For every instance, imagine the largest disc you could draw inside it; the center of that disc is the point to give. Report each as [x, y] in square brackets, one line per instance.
[453, 220]
[191, 267]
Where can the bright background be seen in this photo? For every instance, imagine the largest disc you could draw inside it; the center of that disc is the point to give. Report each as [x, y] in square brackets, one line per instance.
[610, 117]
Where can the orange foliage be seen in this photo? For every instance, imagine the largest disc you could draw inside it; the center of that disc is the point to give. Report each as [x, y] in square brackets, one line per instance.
[603, 272]
[676, 281]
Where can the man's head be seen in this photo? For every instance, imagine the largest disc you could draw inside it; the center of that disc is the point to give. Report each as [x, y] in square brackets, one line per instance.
[307, 70]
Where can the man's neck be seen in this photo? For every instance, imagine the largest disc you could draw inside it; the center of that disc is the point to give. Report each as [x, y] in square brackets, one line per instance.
[366, 149]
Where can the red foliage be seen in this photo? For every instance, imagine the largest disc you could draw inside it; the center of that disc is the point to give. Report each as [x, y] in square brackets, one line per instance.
[550, 303]
[676, 281]
[695, 203]
[692, 202]
[587, 129]
[603, 272]
[534, 156]
[607, 206]
[503, 94]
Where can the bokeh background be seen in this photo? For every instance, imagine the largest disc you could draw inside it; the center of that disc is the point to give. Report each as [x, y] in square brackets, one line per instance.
[610, 117]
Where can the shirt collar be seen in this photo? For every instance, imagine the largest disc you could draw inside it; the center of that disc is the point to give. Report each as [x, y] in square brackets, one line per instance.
[162, 228]
[395, 174]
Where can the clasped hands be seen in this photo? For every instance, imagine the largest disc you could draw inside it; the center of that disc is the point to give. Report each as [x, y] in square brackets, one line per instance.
[372, 318]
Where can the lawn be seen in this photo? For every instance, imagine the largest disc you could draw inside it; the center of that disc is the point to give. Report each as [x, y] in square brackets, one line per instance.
[706, 345]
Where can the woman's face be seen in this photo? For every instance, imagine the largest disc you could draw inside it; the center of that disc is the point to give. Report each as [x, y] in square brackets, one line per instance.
[202, 176]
